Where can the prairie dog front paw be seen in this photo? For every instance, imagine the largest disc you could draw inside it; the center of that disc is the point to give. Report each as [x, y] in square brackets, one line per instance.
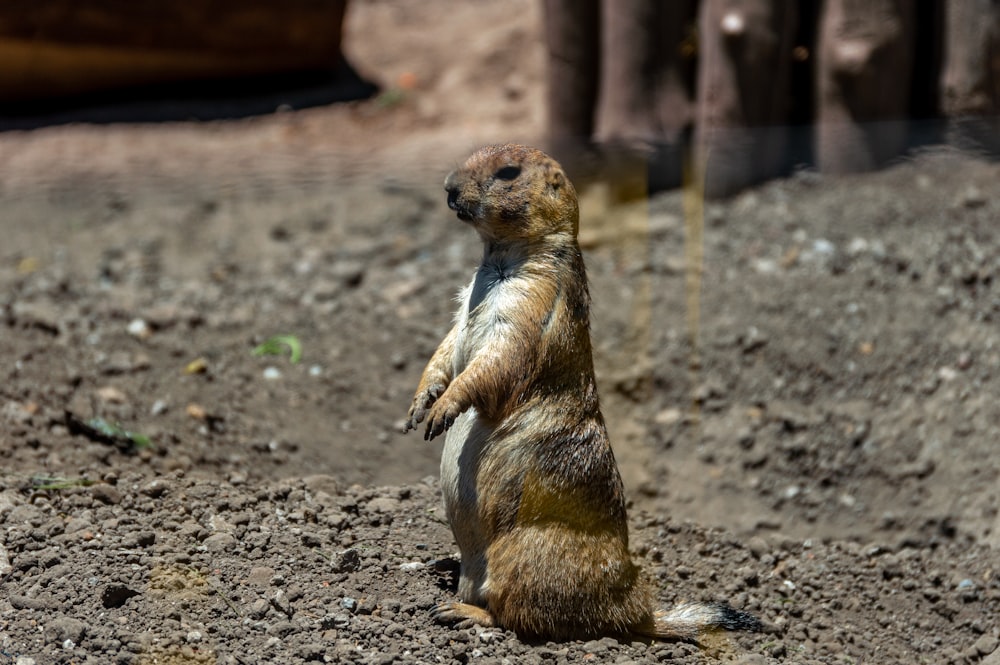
[442, 417]
[422, 402]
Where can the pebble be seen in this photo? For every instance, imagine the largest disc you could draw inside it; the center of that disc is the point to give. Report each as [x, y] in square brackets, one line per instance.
[61, 629]
[37, 315]
[260, 576]
[992, 659]
[220, 542]
[156, 488]
[383, 504]
[259, 608]
[348, 272]
[412, 565]
[986, 645]
[271, 373]
[106, 494]
[972, 197]
[668, 416]
[139, 328]
[752, 659]
[347, 561]
[16, 413]
[758, 546]
[111, 395]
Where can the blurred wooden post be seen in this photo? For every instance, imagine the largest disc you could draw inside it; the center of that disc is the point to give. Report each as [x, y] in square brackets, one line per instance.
[970, 80]
[864, 71]
[743, 91]
[648, 66]
[572, 35]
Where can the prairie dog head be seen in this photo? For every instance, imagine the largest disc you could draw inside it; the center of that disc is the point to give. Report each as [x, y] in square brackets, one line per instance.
[513, 193]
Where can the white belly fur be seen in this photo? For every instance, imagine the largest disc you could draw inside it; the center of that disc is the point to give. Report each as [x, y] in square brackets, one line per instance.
[491, 292]
[462, 448]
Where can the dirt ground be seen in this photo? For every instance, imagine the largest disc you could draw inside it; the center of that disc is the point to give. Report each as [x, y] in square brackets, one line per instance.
[823, 456]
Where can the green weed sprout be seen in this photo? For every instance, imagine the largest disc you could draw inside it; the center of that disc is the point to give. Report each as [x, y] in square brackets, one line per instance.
[276, 346]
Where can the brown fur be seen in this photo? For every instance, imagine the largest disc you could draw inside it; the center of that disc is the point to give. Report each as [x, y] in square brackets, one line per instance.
[530, 483]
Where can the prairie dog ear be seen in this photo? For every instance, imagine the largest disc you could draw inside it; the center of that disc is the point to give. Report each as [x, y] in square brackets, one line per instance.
[556, 179]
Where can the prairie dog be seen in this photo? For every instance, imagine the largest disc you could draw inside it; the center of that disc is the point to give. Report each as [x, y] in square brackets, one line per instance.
[531, 487]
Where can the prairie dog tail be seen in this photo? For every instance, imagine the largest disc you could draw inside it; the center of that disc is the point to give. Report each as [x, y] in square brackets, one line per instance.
[689, 621]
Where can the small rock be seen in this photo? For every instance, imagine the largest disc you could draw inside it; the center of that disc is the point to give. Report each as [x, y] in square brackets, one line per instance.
[5, 566]
[16, 413]
[140, 539]
[37, 315]
[349, 273]
[61, 629]
[349, 604]
[793, 416]
[260, 576]
[221, 542]
[139, 328]
[281, 602]
[155, 488]
[312, 651]
[668, 416]
[857, 246]
[106, 494]
[282, 628]
[986, 645]
[310, 539]
[383, 504]
[159, 408]
[992, 659]
[259, 608]
[947, 374]
[196, 366]
[758, 546]
[111, 395]
[193, 637]
[347, 561]
[972, 197]
[164, 316]
[38, 604]
[196, 411]
[77, 524]
[412, 565]
[271, 373]
[752, 340]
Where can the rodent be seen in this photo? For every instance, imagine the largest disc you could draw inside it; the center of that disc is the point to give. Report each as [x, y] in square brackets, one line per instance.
[531, 487]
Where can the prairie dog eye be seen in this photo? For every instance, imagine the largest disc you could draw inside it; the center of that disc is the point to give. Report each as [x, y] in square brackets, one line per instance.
[508, 172]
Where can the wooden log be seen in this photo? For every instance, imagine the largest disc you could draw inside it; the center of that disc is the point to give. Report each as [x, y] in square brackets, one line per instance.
[970, 78]
[864, 76]
[66, 47]
[744, 89]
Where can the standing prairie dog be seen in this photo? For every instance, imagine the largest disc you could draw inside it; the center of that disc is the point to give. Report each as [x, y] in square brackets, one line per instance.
[530, 484]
